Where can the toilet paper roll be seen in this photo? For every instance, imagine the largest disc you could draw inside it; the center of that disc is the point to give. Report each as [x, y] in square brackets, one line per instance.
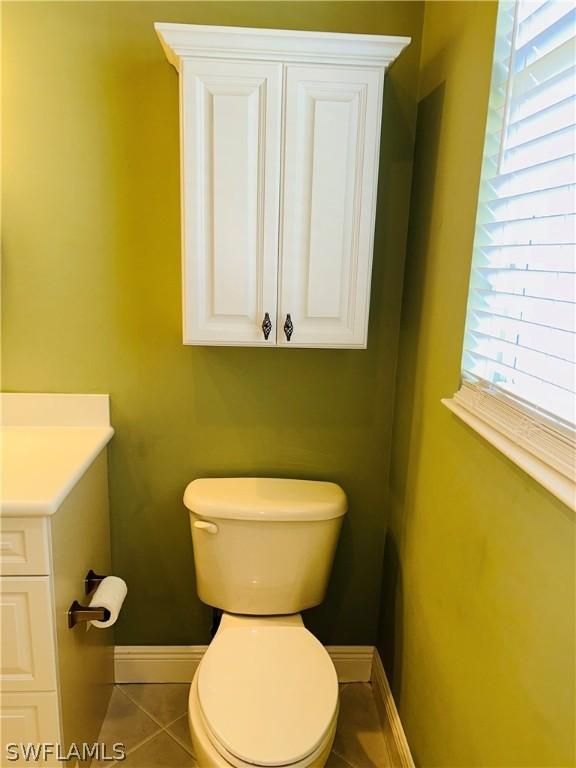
[110, 594]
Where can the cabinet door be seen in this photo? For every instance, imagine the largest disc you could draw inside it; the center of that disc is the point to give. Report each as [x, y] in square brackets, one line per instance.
[24, 546]
[29, 718]
[329, 195]
[231, 134]
[27, 655]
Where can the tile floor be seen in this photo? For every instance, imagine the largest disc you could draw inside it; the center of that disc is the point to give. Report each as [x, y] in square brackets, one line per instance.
[152, 721]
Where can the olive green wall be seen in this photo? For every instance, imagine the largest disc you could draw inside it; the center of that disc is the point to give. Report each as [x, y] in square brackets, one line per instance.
[478, 600]
[92, 299]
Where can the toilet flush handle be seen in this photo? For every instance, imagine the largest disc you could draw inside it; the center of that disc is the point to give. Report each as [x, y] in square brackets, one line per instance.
[205, 526]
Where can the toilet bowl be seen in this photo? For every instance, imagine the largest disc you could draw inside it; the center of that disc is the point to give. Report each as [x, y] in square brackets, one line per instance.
[265, 694]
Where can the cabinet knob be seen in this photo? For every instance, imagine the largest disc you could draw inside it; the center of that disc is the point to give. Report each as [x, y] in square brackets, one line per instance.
[288, 327]
[266, 326]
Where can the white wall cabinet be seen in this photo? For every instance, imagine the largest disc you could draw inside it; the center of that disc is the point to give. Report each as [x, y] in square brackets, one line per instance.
[280, 136]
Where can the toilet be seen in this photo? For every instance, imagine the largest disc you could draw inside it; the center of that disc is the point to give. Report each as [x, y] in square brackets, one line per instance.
[266, 691]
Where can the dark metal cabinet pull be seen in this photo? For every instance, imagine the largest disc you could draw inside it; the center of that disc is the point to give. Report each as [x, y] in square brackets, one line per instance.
[266, 326]
[288, 327]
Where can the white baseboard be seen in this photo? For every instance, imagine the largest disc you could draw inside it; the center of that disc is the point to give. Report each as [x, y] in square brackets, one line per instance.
[156, 663]
[353, 662]
[389, 717]
[177, 663]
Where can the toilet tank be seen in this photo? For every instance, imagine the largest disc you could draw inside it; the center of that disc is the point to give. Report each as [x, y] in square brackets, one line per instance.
[263, 546]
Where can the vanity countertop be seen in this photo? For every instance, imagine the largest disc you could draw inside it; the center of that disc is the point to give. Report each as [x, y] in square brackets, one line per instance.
[42, 461]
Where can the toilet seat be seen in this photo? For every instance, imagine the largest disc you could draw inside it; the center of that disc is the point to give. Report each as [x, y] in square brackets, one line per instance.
[268, 695]
[228, 760]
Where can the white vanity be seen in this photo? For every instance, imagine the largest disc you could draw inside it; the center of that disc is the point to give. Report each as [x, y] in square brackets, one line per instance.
[54, 527]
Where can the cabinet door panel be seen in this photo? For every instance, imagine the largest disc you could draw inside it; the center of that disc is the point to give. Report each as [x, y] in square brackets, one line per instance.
[29, 718]
[24, 546]
[330, 177]
[27, 652]
[231, 132]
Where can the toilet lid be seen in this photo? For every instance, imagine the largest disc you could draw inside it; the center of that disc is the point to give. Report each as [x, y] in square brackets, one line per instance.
[268, 694]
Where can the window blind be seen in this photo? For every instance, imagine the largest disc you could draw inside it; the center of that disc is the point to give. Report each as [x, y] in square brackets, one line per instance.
[521, 321]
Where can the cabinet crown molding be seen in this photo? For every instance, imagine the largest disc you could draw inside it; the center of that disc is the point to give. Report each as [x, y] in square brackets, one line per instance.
[181, 41]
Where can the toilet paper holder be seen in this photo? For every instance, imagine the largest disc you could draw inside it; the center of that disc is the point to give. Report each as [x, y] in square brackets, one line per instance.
[78, 613]
[91, 581]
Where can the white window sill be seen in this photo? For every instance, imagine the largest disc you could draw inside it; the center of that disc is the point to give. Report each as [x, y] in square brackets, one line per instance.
[550, 461]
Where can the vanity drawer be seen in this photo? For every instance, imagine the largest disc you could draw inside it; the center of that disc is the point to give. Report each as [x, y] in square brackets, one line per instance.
[24, 546]
[29, 718]
[27, 654]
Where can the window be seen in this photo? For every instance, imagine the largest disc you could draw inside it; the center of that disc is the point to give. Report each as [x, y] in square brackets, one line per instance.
[518, 364]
